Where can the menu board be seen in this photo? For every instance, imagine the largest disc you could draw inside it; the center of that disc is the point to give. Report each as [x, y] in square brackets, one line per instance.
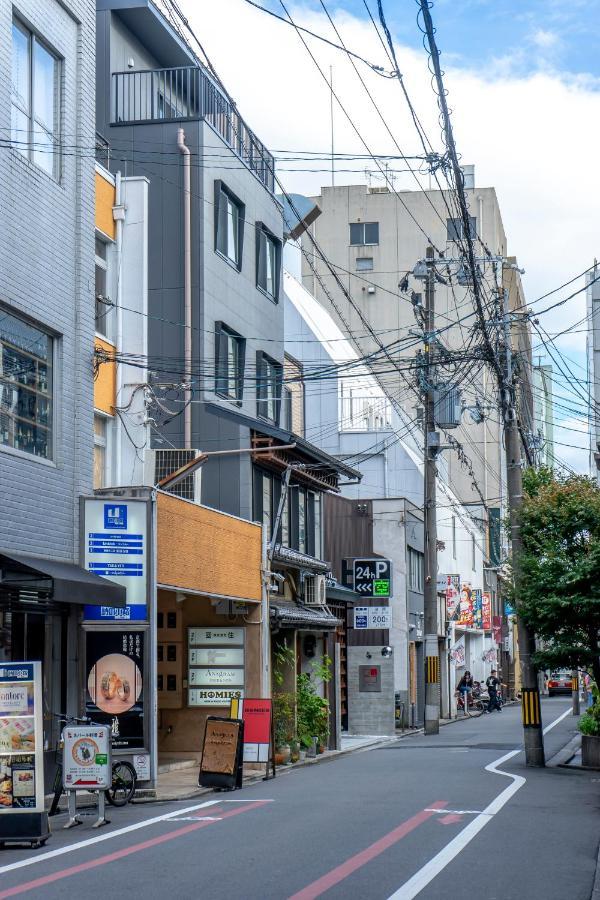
[21, 743]
[216, 673]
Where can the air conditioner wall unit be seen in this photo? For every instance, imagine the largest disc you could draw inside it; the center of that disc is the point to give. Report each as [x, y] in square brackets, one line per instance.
[315, 590]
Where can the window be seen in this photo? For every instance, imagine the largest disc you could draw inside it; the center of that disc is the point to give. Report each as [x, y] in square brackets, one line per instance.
[455, 230]
[454, 537]
[100, 442]
[473, 552]
[268, 254]
[364, 234]
[268, 387]
[26, 386]
[229, 225]
[230, 355]
[103, 308]
[364, 264]
[300, 525]
[415, 570]
[35, 107]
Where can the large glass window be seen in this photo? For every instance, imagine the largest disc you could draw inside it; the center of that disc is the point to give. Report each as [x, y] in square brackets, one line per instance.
[300, 524]
[455, 229]
[269, 378]
[229, 368]
[35, 105]
[415, 570]
[26, 386]
[364, 234]
[268, 262]
[229, 218]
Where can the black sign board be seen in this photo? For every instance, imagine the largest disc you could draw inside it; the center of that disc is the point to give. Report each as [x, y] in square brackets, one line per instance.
[373, 577]
[222, 762]
[115, 687]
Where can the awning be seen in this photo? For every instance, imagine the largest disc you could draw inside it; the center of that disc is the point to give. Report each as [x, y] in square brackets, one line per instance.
[341, 593]
[301, 617]
[65, 582]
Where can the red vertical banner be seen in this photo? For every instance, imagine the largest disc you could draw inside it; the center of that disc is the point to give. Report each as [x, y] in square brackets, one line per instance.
[486, 611]
[497, 629]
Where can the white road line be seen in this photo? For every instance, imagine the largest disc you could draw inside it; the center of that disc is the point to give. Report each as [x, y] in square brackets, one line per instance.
[51, 854]
[457, 812]
[430, 870]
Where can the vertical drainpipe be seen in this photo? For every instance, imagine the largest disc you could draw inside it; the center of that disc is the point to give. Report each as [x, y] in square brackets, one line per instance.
[187, 285]
[118, 217]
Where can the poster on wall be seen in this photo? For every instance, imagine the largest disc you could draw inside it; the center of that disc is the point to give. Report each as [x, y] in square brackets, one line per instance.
[477, 597]
[452, 596]
[115, 687]
[21, 740]
[465, 612]
[457, 653]
[486, 611]
[116, 547]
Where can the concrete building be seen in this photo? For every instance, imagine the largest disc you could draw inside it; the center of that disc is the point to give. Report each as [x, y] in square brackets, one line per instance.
[374, 238]
[351, 413]
[47, 54]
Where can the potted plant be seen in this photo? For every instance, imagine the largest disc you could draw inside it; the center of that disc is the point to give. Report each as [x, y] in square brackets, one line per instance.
[313, 715]
[589, 726]
[283, 724]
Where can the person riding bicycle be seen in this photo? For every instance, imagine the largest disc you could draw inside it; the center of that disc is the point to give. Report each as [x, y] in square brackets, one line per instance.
[493, 685]
[465, 687]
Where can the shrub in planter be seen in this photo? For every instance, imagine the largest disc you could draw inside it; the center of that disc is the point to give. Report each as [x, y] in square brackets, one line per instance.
[589, 726]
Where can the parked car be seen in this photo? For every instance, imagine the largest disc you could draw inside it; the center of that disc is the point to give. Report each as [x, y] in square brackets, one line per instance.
[560, 682]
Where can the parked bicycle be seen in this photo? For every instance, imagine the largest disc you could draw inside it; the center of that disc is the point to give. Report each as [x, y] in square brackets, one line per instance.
[475, 706]
[124, 776]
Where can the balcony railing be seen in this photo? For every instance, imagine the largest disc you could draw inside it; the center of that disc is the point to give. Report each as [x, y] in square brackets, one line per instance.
[184, 93]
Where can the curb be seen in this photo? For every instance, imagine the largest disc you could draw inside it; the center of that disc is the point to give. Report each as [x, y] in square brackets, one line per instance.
[596, 886]
[567, 753]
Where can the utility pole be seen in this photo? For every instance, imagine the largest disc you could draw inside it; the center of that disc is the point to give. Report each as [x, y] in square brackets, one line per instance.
[575, 687]
[431, 445]
[533, 737]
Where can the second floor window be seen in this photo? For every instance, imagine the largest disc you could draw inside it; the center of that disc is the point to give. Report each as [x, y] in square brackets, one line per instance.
[268, 387]
[26, 386]
[415, 570]
[300, 525]
[35, 106]
[364, 234]
[268, 265]
[229, 363]
[229, 225]
[103, 309]
[455, 229]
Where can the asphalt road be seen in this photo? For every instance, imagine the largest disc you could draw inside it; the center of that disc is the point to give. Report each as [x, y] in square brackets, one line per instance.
[419, 817]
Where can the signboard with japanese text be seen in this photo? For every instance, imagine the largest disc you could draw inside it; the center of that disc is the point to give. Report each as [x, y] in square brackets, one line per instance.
[372, 617]
[222, 753]
[256, 715]
[21, 739]
[116, 547]
[86, 758]
[457, 653]
[373, 577]
[486, 610]
[477, 608]
[465, 610]
[216, 673]
[452, 596]
[115, 685]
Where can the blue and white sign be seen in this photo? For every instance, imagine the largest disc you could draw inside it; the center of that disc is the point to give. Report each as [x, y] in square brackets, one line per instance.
[361, 617]
[372, 617]
[115, 534]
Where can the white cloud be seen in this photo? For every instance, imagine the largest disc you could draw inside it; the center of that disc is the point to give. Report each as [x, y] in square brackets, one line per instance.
[545, 39]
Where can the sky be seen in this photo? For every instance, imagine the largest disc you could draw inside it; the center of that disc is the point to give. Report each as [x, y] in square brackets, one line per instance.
[523, 82]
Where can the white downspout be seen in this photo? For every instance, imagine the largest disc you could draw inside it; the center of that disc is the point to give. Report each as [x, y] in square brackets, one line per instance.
[187, 286]
[119, 336]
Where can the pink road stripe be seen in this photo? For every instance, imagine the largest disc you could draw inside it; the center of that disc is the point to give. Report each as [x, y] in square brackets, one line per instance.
[356, 862]
[126, 851]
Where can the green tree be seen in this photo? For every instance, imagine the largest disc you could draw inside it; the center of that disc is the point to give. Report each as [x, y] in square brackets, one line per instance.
[558, 573]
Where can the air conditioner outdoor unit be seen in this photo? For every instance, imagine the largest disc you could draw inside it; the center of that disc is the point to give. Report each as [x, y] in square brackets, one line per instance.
[160, 463]
[315, 587]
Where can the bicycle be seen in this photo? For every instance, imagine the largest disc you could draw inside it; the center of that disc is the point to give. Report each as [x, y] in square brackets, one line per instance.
[124, 776]
[475, 706]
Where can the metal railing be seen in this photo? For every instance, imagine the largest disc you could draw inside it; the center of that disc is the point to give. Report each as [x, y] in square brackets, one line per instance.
[187, 92]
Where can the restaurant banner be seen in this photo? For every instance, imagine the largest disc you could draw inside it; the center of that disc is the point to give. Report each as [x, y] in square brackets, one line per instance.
[465, 612]
[452, 596]
[486, 610]
[477, 608]
[115, 685]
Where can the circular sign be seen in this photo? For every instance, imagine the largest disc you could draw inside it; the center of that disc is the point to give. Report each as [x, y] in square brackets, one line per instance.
[84, 751]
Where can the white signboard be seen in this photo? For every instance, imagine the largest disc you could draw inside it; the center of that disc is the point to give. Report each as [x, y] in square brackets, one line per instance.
[86, 758]
[115, 533]
[372, 617]
[216, 673]
[213, 696]
[216, 656]
[457, 653]
[202, 637]
[141, 764]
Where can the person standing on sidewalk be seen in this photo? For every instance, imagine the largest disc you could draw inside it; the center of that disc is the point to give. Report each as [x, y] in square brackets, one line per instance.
[493, 685]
